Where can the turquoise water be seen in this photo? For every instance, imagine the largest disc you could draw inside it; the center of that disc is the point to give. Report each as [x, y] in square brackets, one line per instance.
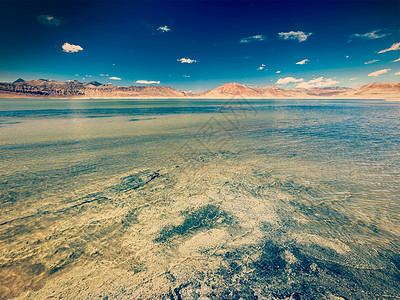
[183, 199]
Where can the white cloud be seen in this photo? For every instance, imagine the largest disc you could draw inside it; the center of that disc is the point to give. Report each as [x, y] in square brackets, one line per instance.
[398, 73]
[371, 61]
[102, 75]
[186, 76]
[288, 80]
[164, 28]
[377, 73]
[71, 48]
[277, 72]
[370, 35]
[254, 38]
[397, 60]
[353, 78]
[49, 20]
[187, 60]
[261, 67]
[347, 56]
[147, 82]
[301, 36]
[395, 46]
[317, 83]
[302, 62]
[114, 78]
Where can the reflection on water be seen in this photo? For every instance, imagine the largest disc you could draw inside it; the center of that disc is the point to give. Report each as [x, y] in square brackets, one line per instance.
[179, 199]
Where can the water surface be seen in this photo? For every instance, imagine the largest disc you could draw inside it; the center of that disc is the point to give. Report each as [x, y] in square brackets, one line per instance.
[184, 199]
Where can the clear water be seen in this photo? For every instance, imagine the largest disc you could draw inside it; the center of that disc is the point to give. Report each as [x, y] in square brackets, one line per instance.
[184, 199]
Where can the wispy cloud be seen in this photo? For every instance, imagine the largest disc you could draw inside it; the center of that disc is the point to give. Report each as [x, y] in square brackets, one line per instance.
[254, 38]
[317, 83]
[49, 20]
[302, 62]
[396, 60]
[164, 29]
[102, 75]
[353, 78]
[147, 82]
[301, 36]
[277, 72]
[398, 73]
[261, 67]
[375, 34]
[347, 56]
[67, 47]
[187, 60]
[371, 61]
[287, 80]
[377, 73]
[394, 47]
[186, 76]
[114, 78]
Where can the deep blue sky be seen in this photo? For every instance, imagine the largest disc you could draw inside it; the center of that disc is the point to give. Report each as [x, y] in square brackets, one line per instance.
[121, 39]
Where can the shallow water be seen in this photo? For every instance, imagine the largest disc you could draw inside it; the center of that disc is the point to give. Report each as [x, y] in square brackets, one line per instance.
[184, 199]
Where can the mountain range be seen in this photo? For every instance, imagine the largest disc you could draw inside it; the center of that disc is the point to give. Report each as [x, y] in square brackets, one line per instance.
[75, 89]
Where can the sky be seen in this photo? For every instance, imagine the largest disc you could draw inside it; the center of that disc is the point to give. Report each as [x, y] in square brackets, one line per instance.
[199, 45]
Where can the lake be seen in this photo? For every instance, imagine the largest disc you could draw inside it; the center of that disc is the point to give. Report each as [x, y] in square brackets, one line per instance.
[199, 199]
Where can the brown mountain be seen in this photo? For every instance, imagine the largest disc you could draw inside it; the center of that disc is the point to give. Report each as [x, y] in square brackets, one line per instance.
[94, 89]
[376, 90]
[229, 90]
[237, 90]
[50, 88]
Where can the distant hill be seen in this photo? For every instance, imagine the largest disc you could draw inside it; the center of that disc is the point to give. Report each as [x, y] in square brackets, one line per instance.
[376, 90]
[270, 91]
[59, 89]
[50, 88]
[19, 80]
[230, 89]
